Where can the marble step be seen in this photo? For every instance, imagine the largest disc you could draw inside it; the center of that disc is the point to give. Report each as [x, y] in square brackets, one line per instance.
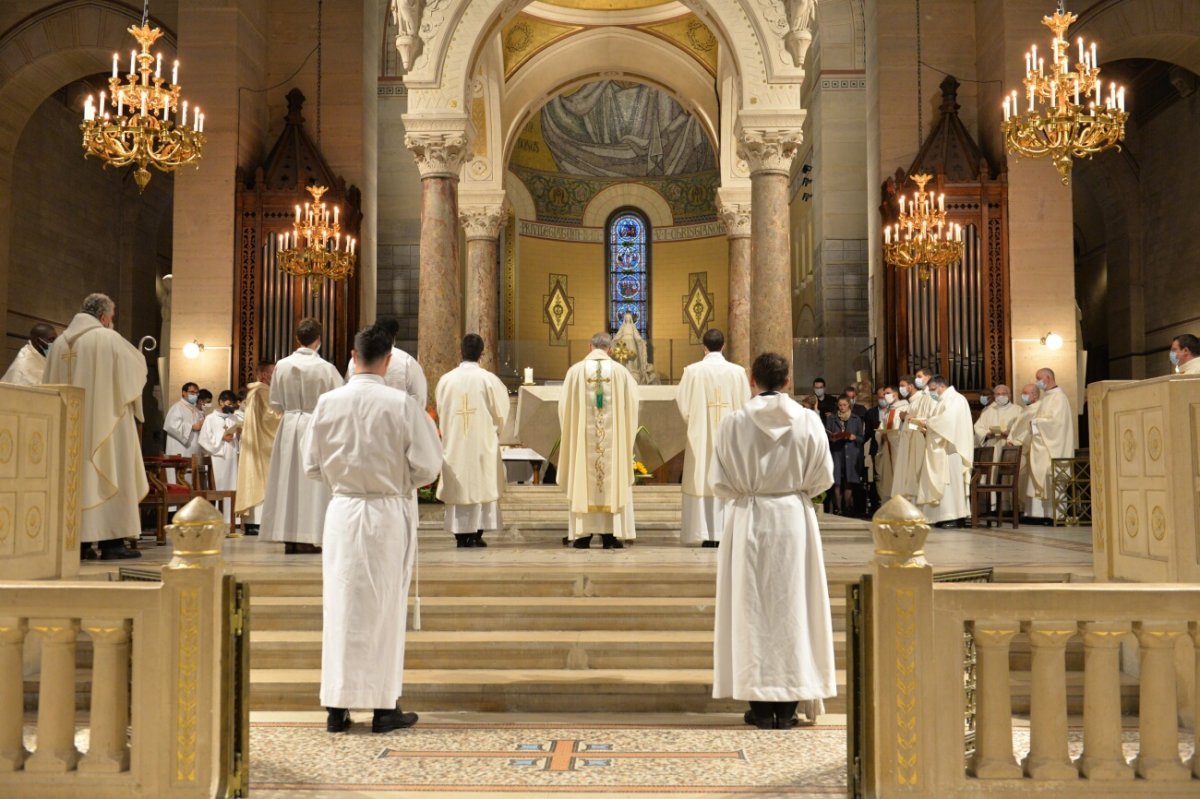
[523, 649]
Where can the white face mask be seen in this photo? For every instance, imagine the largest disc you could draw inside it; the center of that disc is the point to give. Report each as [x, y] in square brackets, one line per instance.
[1001, 400]
[1025, 398]
[936, 396]
[889, 398]
[920, 383]
[983, 400]
[820, 392]
[904, 391]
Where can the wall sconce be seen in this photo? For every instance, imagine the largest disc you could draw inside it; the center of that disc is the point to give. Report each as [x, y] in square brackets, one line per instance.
[1053, 341]
[192, 350]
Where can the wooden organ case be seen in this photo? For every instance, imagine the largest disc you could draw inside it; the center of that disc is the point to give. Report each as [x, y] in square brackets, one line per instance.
[270, 302]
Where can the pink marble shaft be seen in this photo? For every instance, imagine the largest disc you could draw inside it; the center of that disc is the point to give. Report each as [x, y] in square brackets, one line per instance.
[771, 289]
[439, 327]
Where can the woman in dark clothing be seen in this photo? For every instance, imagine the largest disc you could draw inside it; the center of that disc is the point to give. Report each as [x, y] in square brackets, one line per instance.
[846, 434]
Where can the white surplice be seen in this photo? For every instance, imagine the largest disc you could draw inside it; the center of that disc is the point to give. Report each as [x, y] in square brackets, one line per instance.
[887, 437]
[910, 448]
[372, 447]
[472, 407]
[182, 440]
[403, 373]
[1192, 367]
[27, 368]
[295, 504]
[597, 413]
[113, 373]
[995, 424]
[1051, 435]
[773, 639]
[224, 453]
[708, 392]
[949, 455]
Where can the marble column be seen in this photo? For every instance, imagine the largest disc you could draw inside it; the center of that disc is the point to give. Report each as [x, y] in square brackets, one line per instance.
[108, 749]
[439, 156]
[1103, 757]
[1048, 757]
[736, 217]
[1158, 730]
[770, 152]
[482, 224]
[56, 752]
[12, 693]
[993, 758]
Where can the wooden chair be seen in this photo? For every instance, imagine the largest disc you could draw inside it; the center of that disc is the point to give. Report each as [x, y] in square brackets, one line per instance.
[204, 485]
[994, 480]
[164, 494]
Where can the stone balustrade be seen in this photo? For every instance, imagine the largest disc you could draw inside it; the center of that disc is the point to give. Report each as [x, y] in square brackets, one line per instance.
[158, 683]
[920, 696]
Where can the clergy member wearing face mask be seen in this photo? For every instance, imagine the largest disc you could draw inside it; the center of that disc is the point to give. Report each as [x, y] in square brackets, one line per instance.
[887, 439]
[1051, 435]
[997, 420]
[182, 426]
[1184, 355]
[949, 456]
[910, 448]
[219, 437]
[30, 364]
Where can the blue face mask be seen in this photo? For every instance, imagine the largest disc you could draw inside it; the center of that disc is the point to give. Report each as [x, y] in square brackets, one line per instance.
[191, 398]
[1174, 356]
[983, 400]
[1041, 385]
[903, 391]
[920, 382]
[936, 396]
[1025, 398]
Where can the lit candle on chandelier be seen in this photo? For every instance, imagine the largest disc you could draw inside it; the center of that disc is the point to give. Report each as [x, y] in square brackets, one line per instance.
[89, 111]
[158, 67]
[175, 74]
[101, 107]
[183, 123]
[297, 213]
[132, 62]
[942, 203]
[1082, 53]
[114, 66]
[1095, 63]
[335, 215]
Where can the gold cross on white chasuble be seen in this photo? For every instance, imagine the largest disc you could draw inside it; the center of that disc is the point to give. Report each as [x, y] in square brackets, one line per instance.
[717, 405]
[465, 413]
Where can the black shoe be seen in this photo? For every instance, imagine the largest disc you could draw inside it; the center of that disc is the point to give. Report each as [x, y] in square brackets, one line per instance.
[710, 544]
[394, 719]
[612, 542]
[338, 719]
[477, 539]
[87, 553]
[566, 541]
[289, 548]
[251, 529]
[462, 540]
[946, 525]
[119, 553]
[584, 542]
[755, 718]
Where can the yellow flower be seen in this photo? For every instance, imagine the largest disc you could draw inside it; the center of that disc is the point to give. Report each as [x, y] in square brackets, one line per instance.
[639, 468]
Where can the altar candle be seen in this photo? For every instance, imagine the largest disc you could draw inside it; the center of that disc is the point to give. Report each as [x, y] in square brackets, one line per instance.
[528, 375]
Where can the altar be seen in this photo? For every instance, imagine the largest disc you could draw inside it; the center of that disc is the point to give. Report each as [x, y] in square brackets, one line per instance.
[662, 433]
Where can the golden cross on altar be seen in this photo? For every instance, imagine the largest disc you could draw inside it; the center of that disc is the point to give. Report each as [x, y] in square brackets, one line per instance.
[465, 413]
[718, 404]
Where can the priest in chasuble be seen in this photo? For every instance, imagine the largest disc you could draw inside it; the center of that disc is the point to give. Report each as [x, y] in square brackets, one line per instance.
[261, 423]
[942, 491]
[708, 392]
[1051, 435]
[910, 444]
[598, 413]
[472, 406]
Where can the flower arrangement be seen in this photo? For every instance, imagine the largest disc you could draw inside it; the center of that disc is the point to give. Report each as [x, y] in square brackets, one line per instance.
[640, 472]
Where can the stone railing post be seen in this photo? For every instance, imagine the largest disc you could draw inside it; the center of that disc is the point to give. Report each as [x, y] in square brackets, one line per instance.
[1194, 630]
[12, 693]
[736, 217]
[482, 224]
[108, 750]
[56, 750]
[1048, 757]
[1158, 725]
[192, 616]
[994, 759]
[1103, 757]
[903, 629]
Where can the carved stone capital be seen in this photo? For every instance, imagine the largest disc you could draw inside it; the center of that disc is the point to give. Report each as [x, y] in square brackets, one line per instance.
[769, 150]
[736, 218]
[483, 221]
[439, 153]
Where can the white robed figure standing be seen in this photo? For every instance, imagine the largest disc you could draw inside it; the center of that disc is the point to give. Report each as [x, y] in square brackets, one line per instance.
[259, 427]
[598, 413]
[372, 447]
[887, 438]
[472, 406]
[404, 373]
[1051, 435]
[949, 455]
[708, 392]
[28, 368]
[773, 635]
[910, 443]
[182, 425]
[996, 421]
[93, 356]
[219, 438]
[294, 504]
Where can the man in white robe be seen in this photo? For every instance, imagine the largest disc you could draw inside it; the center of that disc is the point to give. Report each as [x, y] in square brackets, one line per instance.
[1051, 435]
[92, 355]
[708, 392]
[942, 492]
[219, 439]
[887, 437]
[29, 366]
[910, 444]
[1021, 433]
[260, 424]
[182, 426]
[597, 414]
[404, 373]
[295, 505]
[472, 407]
[372, 447]
[996, 421]
[773, 633]
[1185, 354]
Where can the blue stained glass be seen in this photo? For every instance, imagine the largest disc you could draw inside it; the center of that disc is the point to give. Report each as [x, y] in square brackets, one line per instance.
[628, 280]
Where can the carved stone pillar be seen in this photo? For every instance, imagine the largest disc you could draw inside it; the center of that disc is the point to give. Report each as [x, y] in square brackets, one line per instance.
[1048, 757]
[482, 224]
[12, 695]
[994, 758]
[439, 156]
[769, 152]
[108, 750]
[1103, 757]
[736, 217]
[1158, 753]
[56, 750]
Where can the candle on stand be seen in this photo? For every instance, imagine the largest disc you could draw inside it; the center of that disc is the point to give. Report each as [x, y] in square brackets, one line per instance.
[100, 108]
[335, 214]
[184, 122]
[1081, 50]
[1095, 63]
[175, 73]
[529, 375]
[114, 66]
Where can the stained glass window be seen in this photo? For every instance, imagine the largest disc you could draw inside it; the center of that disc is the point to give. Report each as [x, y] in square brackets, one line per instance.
[628, 271]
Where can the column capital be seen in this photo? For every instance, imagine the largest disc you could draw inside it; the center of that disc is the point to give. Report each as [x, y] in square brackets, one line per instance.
[736, 218]
[994, 633]
[483, 220]
[111, 631]
[439, 153]
[1159, 634]
[1050, 633]
[768, 149]
[1103, 634]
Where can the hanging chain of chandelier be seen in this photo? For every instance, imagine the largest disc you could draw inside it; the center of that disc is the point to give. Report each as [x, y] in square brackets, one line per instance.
[316, 247]
[1065, 113]
[921, 238]
[141, 119]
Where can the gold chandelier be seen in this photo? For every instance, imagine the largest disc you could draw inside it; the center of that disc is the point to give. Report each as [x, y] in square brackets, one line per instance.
[325, 254]
[1065, 113]
[922, 239]
[141, 120]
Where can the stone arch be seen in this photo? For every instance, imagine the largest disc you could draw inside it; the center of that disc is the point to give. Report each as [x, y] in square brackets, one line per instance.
[42, 53]
[519, 199]
[841, 39]
[1166, 30]
[645, 199]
